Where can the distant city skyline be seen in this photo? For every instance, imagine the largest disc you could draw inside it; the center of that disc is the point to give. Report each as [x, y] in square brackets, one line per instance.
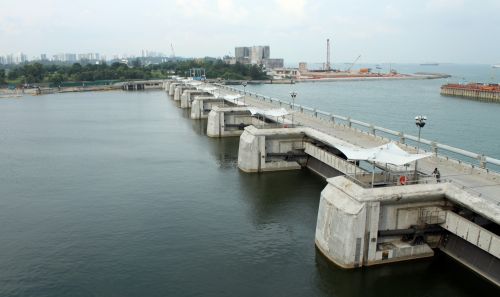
[455, 31]
[21, 57]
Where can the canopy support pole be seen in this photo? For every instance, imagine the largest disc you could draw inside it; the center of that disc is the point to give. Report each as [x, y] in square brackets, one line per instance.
[373, 174]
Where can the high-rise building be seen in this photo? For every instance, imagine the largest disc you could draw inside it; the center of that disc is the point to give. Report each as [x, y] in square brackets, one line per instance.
[20, 58]
[68, 57]
[256, 55]
[252, 54]
[9, 59]
[89, 57]
[65, 57]
[242, 52]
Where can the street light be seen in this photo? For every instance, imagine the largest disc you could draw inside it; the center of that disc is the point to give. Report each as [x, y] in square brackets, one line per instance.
[244, 91]
[293, 94]
[420, 122]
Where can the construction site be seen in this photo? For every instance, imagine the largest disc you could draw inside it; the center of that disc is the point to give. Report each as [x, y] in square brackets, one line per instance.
[328, 73]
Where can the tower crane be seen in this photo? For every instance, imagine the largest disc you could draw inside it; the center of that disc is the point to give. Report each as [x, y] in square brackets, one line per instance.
[352, 64]
[173, 53]
[328, 66]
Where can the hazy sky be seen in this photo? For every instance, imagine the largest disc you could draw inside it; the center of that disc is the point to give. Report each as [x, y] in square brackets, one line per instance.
[459, 31]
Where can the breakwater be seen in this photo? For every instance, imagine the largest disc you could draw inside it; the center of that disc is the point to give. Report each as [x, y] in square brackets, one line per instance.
[485, 92]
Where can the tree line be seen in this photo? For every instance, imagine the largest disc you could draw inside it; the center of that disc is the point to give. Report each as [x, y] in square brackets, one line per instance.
[34, 73]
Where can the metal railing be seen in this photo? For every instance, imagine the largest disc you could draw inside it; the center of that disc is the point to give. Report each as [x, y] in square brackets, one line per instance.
[389, 179]
[480, 160]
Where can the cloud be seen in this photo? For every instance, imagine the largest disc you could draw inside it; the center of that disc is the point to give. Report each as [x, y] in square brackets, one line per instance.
[391, 12]
[295, 29]
[214, 11]
[444, 5]
[294, 8]
[191, 8]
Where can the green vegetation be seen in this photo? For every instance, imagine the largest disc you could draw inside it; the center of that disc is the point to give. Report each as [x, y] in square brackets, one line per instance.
[2, 76]
[56, 74]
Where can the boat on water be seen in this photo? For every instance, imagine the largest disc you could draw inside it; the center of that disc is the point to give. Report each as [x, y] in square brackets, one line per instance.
[495, 66]
[429, 64]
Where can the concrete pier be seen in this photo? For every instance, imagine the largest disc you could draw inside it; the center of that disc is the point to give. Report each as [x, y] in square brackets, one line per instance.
[230, 121]
[202, 105]
[188, 96]
[172, 86]
[261, 150]
[366, 226]
[138, 85]
[180, 89]
[350, 218]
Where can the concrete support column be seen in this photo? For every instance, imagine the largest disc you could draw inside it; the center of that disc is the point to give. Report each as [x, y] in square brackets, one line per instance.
[482, 161]
[197, 109]
[341, 227]
[215, 124]
[178, 93]
[371, 233]
[250, 153]
[434, 148]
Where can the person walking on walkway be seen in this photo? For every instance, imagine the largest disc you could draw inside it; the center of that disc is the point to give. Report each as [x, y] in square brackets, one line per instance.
[437, 174]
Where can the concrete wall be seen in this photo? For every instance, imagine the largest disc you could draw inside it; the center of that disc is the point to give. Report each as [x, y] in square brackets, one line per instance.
[251, 152]
[255, 144]
[340, 227]
[222, 121]
[469, 255]
[476, 235]
[202, 105]
[187, 97]
[476, 94]
[179, 91]
[171, 90]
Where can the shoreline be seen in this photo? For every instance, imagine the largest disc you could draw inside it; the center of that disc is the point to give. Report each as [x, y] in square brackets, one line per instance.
[17, 93]
[415, 76]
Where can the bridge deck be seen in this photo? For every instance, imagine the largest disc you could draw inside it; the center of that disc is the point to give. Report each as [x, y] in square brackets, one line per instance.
[474, 180]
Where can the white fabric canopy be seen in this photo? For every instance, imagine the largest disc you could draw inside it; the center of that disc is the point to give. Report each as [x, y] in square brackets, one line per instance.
[207, 88]
[388, 153]
[232, 97]
[279, 112]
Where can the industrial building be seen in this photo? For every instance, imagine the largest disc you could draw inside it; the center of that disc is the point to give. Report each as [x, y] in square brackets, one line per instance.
[255, 55]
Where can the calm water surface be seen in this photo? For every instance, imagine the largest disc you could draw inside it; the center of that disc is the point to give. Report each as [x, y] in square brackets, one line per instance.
[121, 194]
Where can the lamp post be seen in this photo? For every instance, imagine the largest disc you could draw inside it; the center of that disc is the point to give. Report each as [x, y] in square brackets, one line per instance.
[244, 91]
[293, 94]
[420, 122]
